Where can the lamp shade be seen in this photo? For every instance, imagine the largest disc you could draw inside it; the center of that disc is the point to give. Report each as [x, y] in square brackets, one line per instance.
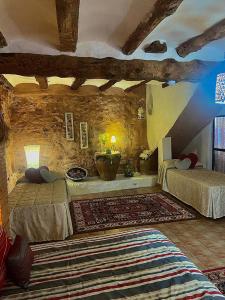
[113, 139]
[32, 155]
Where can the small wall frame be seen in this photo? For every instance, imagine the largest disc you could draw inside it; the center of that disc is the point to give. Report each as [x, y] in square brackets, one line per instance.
[83, 135]
[69, 126]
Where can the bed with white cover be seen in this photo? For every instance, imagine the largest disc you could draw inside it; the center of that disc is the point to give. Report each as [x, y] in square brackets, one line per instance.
[40, 212]
[200, 188]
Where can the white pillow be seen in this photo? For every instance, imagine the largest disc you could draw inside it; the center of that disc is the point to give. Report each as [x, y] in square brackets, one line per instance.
[183, 164]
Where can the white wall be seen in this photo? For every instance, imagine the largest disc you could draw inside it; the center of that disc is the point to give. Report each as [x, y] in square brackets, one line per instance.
[202, 145]
[166, 104]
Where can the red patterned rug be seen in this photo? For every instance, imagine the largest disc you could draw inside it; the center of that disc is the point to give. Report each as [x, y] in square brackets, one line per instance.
[217, 276]
[115, 212]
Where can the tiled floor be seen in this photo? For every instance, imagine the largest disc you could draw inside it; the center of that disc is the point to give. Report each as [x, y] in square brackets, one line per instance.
[202, 240]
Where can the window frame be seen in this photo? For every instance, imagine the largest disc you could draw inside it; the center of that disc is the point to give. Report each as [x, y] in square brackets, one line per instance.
[213, 142]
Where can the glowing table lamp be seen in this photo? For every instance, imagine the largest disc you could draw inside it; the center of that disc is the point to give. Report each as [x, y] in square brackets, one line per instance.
[32, 155]
[113, 142]
[113, 139]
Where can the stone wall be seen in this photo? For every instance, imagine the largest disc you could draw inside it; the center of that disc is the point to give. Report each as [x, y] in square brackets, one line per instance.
[37, 117]
[5, 97]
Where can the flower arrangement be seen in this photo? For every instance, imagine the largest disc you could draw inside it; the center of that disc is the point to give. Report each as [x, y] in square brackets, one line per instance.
[146, 154]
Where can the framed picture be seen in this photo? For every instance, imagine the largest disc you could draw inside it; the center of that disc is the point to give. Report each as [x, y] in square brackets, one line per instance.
[69, 126]
[83, 135]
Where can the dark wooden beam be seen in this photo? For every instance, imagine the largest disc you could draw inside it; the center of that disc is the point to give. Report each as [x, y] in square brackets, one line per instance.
[156, 47]
[5, 82]
[134, 87]
[107, 85]
[42, 81]
[77, 83]
[194, 44]
[67, 19]
[3, 42]
[105, 68]
[161, 10]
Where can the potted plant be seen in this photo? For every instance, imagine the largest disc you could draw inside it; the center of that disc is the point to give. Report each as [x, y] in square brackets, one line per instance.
[107, 164]
[147, 162]
[128, 169]
[108, 160]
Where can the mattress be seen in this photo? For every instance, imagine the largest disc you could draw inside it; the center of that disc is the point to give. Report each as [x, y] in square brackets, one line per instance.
[202, 189]
[40, 212]
[140, 264]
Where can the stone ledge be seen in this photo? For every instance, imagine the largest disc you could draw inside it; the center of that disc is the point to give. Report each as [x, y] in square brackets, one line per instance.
[96, 185]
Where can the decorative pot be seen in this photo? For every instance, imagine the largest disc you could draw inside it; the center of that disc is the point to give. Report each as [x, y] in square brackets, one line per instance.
[148, 166]
[107, 165]
[76, 173]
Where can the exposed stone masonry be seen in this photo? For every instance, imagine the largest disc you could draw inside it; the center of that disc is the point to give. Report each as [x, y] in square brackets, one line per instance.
[37, 117]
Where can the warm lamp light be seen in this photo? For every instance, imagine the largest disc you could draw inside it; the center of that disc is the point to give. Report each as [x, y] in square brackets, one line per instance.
[32, 155]
[113, 139]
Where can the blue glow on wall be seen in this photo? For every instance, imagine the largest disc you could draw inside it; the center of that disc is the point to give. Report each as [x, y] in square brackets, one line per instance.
[220, 89]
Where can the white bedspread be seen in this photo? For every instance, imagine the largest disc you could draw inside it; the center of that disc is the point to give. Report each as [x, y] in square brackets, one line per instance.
[200, 188]
[164, 167]
[40, 212]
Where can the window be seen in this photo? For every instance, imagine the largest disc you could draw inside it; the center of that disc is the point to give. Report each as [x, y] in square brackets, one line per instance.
[219, 144]
[220, 89]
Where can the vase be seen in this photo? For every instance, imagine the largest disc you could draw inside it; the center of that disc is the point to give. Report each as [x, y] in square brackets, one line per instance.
[107, 165]
[148, 166]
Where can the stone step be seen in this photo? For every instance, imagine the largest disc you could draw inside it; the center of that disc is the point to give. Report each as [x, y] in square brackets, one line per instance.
[97, 185]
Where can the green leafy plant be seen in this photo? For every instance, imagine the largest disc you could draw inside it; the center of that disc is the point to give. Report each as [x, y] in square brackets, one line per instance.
[104, 140]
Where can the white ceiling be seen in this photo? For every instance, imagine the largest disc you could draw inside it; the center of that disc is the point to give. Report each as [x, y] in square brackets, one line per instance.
[104, 25]
[16, 79]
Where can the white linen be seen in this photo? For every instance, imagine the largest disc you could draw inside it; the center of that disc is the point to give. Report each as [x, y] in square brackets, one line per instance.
[40, 212]
[200, 188]
[163, 168]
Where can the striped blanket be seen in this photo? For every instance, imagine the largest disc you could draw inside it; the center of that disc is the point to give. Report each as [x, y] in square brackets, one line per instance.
[141, 264]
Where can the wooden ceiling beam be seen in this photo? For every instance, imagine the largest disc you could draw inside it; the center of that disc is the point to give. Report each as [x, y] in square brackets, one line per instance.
[105, 68]
[3, 42]
[42, 81]
[134, 87]
[194, 44]
[161, 10]
[67, 18]
[77, 83]
[156, 47]
[5, 82]
[107, 85]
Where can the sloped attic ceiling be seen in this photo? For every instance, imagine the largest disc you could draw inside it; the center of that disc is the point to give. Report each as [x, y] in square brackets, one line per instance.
[104, 26]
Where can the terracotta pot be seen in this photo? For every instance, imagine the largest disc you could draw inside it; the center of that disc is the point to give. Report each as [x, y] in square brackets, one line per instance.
[148, 166]
[107, 165]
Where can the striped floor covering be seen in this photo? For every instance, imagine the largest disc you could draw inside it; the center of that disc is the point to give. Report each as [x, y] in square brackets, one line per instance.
[141, 264]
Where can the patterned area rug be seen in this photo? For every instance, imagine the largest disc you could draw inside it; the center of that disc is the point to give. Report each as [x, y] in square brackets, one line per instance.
[108, 213]
[217, 276]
